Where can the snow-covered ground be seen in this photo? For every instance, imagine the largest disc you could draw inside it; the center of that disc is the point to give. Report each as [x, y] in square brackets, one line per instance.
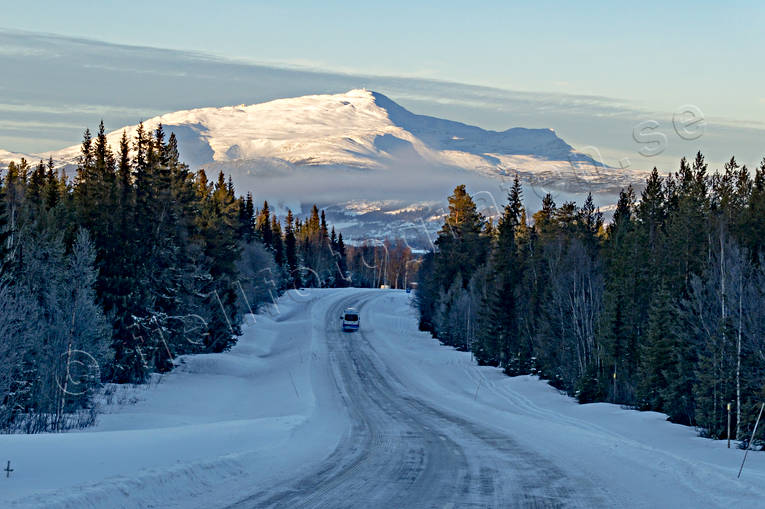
[253, 426]
[215, 422]
[638, 458]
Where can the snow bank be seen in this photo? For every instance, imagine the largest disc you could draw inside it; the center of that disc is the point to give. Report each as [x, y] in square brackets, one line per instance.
[222, 426]
[638, 457]
[218, 426]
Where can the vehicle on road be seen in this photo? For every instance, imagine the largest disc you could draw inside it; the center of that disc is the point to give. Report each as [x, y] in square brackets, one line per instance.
[350, 320]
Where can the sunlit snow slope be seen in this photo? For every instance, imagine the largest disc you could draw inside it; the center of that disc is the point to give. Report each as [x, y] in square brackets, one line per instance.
[362, 151]
[358, 128]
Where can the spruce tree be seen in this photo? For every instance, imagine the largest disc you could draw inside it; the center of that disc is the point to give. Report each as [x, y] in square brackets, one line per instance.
[4, 232]
[462, 249]
[36, 187]
[342, 262]
[620, 332]
[658, 355]
[686, 240]
[498, 337]
[323, 231]
[753, 228]
[124, 180]
[313, 224]
[544, 217]
[52, 186]
[277, 241]
[263, 227]
[590, 220]
[15, 195]
[651, 210]
[461, 244]
[247, 219]
[290, 251]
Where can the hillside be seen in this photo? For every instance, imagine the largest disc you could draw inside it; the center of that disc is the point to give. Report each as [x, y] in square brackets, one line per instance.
[377, 167]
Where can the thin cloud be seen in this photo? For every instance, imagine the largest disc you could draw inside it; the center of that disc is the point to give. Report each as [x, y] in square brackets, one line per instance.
[121, 84]
[68, 109]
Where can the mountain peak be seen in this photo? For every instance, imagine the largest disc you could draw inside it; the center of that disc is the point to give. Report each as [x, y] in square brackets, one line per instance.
[359, 128]
[362, 146]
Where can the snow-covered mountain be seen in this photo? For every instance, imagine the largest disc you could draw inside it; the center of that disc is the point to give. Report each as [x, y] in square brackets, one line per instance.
[375, 165]
[6, 157]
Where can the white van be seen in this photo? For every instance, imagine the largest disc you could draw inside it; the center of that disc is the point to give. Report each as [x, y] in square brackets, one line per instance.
[350, 320]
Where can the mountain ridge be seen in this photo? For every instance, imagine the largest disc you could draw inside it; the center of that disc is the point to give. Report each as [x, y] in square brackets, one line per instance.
[375, 166]
[357, 128]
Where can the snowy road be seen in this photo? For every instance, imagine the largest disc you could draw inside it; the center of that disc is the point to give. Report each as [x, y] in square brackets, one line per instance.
[403, 452]
[300, 414]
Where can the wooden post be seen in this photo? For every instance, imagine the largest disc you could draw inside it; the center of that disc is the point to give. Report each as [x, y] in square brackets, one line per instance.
[749, 445]
[728, 425]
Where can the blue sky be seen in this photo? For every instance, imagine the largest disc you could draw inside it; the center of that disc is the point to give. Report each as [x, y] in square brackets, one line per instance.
[641, 61]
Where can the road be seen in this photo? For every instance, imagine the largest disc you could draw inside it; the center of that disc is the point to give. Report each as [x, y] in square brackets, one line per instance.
[402, 451]
[299, 414]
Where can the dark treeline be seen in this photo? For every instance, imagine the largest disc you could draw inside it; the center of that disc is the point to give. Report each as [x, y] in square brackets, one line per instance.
[307, 252]
[378, 263]
[110, 275]
[662, 309]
